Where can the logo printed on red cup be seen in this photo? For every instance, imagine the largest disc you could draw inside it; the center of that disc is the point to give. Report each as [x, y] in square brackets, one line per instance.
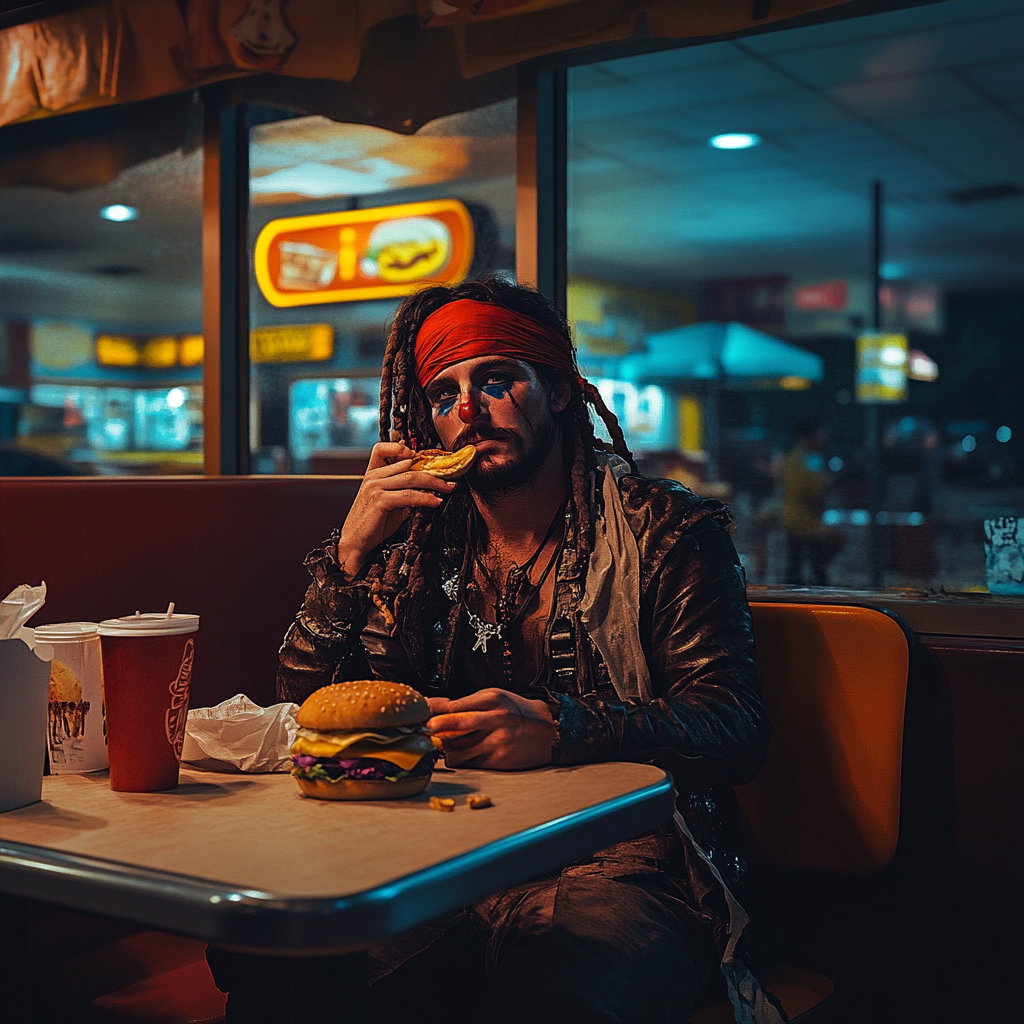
[177, 713]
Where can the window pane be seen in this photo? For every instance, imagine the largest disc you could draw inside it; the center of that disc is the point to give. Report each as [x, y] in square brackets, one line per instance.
[101, 348]
[346, 218]
[720, 250]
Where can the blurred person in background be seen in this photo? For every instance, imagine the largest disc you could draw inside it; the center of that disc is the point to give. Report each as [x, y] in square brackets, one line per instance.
[804, 485]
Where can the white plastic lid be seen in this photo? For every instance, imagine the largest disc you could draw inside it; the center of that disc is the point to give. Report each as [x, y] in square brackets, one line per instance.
[149, 624]
[66, 632]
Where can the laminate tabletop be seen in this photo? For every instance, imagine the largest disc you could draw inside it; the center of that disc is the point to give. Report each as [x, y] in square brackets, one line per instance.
[247, 862]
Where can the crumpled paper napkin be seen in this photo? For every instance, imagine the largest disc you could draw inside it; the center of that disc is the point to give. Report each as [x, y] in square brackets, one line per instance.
[238, 735]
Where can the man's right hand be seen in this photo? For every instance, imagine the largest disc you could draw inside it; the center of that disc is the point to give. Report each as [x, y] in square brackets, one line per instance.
[388, 493]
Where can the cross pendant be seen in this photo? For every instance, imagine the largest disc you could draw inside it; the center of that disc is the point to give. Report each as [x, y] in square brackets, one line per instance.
[484, 631]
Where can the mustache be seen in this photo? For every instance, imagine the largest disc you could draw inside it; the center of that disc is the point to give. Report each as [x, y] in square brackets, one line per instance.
[473, 434]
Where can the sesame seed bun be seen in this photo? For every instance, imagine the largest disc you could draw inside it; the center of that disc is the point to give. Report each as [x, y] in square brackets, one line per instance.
[363, 789]
[363, 704]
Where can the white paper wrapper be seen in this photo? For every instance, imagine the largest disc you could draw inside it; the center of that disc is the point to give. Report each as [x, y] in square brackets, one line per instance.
[238, 735]
[18, 607]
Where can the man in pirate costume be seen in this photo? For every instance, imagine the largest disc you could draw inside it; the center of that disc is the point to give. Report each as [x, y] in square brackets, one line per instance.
[555, 608]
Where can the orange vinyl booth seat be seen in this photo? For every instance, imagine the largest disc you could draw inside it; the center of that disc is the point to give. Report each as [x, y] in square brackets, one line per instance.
[828, 798]
[835, 683]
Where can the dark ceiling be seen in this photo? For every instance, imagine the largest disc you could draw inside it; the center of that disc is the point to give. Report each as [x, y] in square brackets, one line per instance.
[930, 100]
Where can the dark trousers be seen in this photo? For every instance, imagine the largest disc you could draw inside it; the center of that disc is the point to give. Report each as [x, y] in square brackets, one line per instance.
[608, 940]
[576, 947]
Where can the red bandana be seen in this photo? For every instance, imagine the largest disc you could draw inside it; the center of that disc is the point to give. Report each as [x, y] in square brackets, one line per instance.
[465, 329]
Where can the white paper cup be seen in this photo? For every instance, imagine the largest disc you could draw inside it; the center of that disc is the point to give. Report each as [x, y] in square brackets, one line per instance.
[76, 734]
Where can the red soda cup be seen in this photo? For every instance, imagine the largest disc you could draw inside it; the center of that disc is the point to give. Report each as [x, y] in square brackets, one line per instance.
[147, 673]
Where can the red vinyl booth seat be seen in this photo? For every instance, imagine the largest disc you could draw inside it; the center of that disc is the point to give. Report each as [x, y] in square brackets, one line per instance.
[229, 549]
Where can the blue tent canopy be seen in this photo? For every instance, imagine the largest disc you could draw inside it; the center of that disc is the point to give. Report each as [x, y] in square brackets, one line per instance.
[713, 351]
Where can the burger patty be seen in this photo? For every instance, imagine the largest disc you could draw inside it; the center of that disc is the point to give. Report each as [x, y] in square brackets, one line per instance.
[369, 768]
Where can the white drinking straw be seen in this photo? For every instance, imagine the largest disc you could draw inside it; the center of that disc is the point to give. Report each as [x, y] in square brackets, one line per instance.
[170, 610]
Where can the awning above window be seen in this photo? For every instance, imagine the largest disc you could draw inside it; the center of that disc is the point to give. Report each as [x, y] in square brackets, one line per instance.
[126, 50]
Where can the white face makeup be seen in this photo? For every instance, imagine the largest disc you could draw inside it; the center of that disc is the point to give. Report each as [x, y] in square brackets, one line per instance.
[503, 407]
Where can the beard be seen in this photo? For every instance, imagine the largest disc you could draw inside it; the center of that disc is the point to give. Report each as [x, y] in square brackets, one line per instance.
[522, 463]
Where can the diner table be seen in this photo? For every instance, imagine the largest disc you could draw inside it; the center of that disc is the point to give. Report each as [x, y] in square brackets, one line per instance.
[246, 863]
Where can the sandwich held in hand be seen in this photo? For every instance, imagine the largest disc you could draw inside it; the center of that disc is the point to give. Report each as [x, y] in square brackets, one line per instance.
[364, 740]
[446, 465]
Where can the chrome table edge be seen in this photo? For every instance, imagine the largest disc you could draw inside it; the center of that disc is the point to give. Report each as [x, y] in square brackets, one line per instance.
[263, 922]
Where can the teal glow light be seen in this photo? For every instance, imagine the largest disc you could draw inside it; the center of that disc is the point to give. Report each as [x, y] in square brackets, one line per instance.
[735, 140]
[119, 212]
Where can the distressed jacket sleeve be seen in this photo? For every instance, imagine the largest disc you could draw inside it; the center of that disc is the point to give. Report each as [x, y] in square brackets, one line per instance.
[325, 635]
[707, 718]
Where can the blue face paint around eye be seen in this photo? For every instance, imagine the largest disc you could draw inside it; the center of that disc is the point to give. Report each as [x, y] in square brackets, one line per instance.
[500, 390]
[445, 406]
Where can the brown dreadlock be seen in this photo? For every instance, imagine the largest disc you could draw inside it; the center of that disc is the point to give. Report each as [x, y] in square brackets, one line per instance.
[405, 413]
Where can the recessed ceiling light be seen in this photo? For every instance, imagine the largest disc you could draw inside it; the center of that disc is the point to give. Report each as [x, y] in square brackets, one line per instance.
[735, 140]
[119, 212]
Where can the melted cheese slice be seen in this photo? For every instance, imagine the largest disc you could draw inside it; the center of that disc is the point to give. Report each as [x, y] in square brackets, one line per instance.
[404, 751]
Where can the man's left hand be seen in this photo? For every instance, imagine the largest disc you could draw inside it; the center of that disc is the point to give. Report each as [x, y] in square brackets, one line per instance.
[494, 729]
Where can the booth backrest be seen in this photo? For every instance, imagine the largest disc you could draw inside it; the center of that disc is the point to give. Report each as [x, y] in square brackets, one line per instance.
[229, 549]
[835, 684]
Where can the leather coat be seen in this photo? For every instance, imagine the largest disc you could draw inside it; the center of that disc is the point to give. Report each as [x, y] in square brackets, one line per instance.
[706, 725]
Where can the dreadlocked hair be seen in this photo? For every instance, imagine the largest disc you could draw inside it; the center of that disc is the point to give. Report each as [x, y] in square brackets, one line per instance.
[405, 414]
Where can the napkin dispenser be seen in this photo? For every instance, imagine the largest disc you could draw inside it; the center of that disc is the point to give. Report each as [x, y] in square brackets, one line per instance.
[24, 686]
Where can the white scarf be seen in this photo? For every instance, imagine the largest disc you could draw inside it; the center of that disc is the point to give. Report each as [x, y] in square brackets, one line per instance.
[610, 611]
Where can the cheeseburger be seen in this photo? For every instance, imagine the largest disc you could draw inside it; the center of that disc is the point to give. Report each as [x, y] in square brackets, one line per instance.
[364, 740]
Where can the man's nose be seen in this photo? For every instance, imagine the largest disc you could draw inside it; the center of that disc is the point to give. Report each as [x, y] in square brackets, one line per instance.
[469, 406]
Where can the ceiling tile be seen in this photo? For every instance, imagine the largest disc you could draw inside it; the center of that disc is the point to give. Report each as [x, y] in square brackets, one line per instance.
[1004, 80]
[885, 98]
[971, 43]
[976, 141]
[772, 115]
[681, 88]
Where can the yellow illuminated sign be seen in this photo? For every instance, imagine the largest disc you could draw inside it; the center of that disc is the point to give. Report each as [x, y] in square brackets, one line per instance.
[192, 348]
[881, 367]
[306, 343]
[115, 350]
[159, 353]
[383, 253]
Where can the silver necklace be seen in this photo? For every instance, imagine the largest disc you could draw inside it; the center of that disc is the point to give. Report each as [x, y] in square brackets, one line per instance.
[512, 602]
